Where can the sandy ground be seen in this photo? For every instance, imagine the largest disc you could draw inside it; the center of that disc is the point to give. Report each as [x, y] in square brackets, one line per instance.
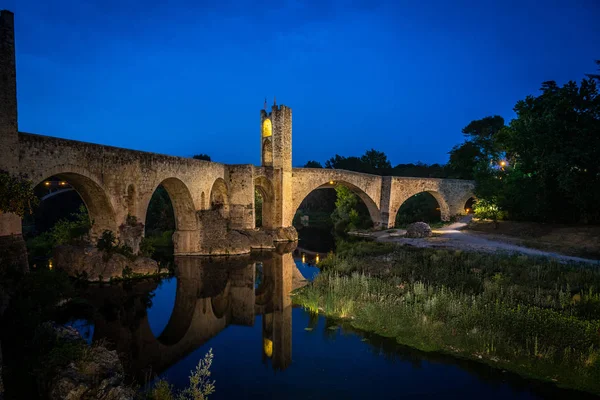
[455, 236]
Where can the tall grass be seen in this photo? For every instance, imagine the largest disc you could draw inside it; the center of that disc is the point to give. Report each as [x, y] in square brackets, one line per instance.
[533, 316]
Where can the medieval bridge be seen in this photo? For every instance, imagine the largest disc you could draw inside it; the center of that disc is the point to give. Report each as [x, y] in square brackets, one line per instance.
[115, 183]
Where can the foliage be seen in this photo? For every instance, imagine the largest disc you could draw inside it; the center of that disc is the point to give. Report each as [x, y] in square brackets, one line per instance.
[312, 164]
[487, 209]
[533, 316]
[109, 244]
[199, 388]
[66, 231]
[160, 216]
[201, 156]
[16, 194]
[420, 207]
[161, 246]
[147, 248]
[346, 215]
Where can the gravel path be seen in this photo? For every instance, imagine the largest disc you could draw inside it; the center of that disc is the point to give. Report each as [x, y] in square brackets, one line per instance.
[454, 236]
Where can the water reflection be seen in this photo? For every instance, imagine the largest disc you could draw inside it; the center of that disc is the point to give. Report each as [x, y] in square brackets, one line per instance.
[211, 295]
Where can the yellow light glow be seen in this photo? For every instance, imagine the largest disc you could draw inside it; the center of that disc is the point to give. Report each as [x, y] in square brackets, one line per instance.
[50, 264]
[467, 209]
[267, 128]
[47, 183]
[503, 163]
[331, 182]
[268, 347]
[62, 183]
[317, 258]
[303, 258]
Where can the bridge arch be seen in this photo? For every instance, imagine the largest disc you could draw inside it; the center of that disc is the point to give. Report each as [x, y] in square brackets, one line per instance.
[219, 197]
[94, 196]
[443, 204]
[265, 188]
[300, 195]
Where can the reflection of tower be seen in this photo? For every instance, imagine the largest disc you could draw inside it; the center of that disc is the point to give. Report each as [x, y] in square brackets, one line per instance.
[277, 321]
[276, 156]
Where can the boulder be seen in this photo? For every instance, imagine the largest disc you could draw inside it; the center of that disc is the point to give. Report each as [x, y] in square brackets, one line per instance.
[97, 374]
[418, 230]
[95, 264]
[288, 234]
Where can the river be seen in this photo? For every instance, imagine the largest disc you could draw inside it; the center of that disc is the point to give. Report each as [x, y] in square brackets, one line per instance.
[266, 348]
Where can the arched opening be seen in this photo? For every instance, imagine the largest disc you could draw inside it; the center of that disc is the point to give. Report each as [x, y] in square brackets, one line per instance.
[72, 209]
[420, 207]
[267, 152]
[267, 128]
[332, 209]
[264, 197]
[219, 197]
[169, 214]
[131, 200]
[469, 204]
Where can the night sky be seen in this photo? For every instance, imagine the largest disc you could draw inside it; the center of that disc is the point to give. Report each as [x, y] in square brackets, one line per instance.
[180, 78]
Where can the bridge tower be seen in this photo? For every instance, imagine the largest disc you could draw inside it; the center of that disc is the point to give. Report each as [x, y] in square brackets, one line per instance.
[12, 246]
[276, 158]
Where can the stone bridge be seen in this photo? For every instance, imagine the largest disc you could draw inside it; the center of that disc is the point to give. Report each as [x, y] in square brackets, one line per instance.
[211, 200]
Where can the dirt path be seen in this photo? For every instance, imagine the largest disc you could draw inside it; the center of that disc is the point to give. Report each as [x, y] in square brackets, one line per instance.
[454, 236]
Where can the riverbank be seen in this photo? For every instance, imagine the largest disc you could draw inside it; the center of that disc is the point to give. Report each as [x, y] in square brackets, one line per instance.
[536, 317]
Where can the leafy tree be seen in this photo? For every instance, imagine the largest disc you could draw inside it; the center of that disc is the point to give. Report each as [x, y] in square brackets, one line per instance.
[313, 164]
[345, 217]
[376, 162]
[202, 156]
[16, 194]
[347, 163]
[481, 146]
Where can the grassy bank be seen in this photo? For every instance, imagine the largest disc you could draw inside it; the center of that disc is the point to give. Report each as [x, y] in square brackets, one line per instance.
[531, 316]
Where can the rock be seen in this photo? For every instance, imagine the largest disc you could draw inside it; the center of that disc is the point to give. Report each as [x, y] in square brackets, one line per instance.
[131, 235]
[288, 234]
[90, 262]
[97, 374]
[418, 230]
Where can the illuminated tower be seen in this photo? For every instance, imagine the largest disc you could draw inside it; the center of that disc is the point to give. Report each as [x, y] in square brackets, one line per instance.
[276, 137]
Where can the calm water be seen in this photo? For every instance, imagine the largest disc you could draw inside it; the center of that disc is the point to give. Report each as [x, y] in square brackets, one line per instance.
[265, 348]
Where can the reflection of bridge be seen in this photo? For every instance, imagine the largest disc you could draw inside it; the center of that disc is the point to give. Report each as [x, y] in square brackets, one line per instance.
[211, 295]
[115, 183]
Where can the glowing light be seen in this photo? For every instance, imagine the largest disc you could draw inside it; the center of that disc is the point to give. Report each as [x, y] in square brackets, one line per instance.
[47, 183]
[467, 210]
[62, 183]
[503, 163]
[317, 258]
[331, 182]
[268, 347]
[50, 264]
[267, 128]
[303, 258]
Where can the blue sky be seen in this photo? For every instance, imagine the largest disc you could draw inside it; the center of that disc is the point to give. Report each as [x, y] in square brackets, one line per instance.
[187, 77]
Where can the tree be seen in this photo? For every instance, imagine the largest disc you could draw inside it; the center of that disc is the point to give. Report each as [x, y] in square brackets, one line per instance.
[345, 216]
[376, 162]
[595, 76]
[16, 194]
[482, 144]
[201, 156]
[313, 164]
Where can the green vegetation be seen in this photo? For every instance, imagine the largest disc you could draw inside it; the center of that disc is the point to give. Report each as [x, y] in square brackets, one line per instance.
[420, 207]
[66, 231]
[542, 166]
[350, 212]
[533, 316]
[16, 194]
[199, 388]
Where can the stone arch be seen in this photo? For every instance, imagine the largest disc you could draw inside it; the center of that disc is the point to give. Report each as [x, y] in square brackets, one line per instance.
[131, 200]
[183, 204]
[372, 207]
[267, 192]
[444, 208]
[221, 302]
[219, 197]
[94, 196]
[267, 152]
